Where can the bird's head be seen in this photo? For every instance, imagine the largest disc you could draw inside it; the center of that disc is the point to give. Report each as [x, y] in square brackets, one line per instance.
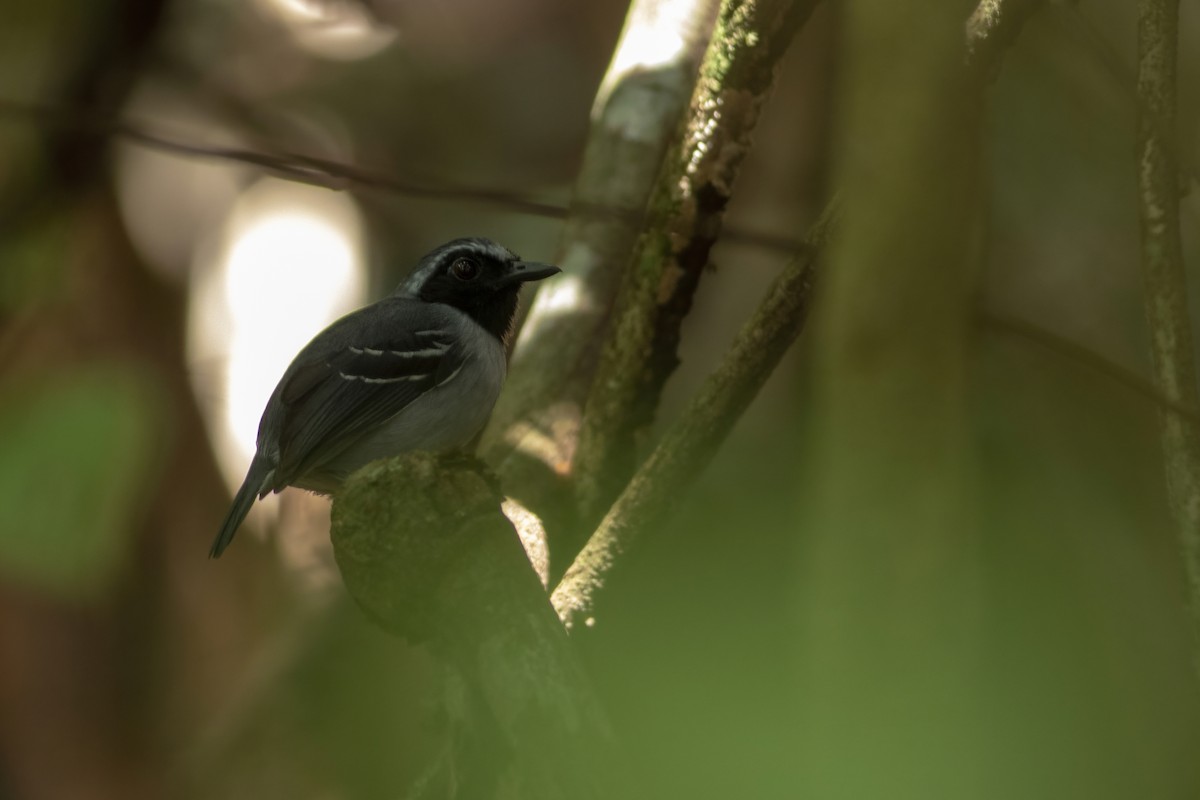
[477, 276]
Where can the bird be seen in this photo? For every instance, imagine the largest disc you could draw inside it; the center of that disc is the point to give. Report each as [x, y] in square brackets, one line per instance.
[418, 370]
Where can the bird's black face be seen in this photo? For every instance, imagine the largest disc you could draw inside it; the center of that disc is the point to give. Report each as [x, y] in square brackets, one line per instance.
[478, 277]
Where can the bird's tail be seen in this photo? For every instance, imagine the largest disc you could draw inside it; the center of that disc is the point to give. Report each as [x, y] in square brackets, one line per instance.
[257, 480]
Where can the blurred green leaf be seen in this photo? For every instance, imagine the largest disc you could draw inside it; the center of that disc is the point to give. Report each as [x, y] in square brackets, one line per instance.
[79, 450]
[35, 264]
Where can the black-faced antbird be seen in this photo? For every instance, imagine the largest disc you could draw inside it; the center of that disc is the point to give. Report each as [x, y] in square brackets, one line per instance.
[418, 370]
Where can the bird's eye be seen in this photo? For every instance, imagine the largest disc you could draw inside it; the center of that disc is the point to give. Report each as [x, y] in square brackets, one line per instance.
[465, 269]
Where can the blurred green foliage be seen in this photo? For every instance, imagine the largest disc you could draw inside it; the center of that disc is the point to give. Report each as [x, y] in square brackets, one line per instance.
[78, 462]
[34, 266]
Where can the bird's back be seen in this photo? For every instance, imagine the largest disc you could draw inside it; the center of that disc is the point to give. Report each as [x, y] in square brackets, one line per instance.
[446, 416]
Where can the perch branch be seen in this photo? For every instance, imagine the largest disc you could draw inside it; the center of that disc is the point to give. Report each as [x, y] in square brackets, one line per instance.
[683, 221]
[1163, 274]
[425, 550]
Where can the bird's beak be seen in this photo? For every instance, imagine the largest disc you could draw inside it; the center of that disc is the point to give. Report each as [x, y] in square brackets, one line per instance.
[526, 271]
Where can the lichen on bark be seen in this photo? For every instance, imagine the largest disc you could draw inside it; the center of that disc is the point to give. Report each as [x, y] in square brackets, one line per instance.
[682, 223]
[1164, 276]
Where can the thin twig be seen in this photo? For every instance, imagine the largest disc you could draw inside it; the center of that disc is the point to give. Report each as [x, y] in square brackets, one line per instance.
[1163, 273]
[1077, 353]
[338, 176]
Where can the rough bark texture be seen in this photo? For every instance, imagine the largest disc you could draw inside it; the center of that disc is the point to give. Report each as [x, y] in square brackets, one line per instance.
[1164, 276]
[683, 222]
[425, 550]
[533, 431]
[690, 444]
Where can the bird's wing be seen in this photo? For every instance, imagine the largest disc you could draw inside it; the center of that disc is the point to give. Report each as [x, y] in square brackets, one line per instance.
[351, 379]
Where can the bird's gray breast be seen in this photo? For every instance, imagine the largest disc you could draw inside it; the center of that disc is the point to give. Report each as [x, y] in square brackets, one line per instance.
[446, 416]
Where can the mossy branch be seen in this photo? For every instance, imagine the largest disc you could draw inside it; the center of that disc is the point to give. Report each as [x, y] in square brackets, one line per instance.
[682, 223]
[424, 549]
[690, 444]
[1164, 276]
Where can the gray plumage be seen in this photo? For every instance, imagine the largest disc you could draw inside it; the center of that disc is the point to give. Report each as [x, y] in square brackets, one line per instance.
[419, 370]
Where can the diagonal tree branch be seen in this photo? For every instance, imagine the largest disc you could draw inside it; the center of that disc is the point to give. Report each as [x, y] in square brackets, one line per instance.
[689, 445]
[1163, 273]
[683, 222]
